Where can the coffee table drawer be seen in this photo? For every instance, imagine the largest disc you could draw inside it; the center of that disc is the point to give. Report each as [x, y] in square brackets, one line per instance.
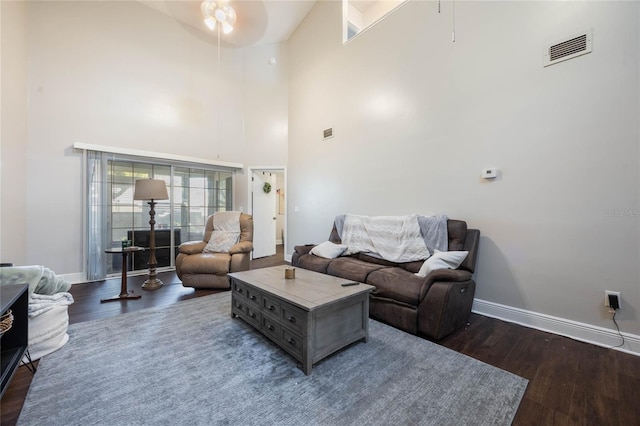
[292, 343]
[239, 288]
[271, 327]
[254, 297]
[293, 318]
[238, 304]
[253, 315]
[271, 306]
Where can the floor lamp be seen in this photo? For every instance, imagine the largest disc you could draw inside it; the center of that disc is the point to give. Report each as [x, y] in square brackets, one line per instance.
[151, 189]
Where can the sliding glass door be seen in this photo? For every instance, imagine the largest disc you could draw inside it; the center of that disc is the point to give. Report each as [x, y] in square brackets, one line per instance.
[114, 216]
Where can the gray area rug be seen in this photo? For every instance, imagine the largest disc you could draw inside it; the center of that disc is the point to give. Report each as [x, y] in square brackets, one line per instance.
[192, 364]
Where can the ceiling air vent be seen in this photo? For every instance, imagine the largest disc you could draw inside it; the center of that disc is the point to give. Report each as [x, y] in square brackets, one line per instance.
[568, 49]
[327, 133]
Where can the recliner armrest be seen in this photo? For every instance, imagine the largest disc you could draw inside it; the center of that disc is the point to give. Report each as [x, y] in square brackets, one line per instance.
[241, 247]
[192, 247]
[444, 275]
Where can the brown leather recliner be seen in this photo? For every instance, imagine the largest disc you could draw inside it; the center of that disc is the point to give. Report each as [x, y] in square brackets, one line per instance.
[209, 270]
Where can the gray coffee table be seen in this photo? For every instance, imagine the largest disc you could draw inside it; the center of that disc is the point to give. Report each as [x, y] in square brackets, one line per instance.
[310, 316]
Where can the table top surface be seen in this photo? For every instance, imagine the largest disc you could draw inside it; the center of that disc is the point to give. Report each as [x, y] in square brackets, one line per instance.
[309, 290]
[126, 249]
[10, 293]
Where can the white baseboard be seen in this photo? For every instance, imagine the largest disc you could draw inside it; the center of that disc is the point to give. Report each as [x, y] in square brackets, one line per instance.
[279, 242]
[588, 333]
[287, 257]
[74, 278]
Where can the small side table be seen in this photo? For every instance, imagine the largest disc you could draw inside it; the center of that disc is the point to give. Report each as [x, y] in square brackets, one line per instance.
[124, 293]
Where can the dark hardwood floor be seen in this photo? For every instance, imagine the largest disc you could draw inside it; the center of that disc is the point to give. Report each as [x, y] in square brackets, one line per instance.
[570, 382]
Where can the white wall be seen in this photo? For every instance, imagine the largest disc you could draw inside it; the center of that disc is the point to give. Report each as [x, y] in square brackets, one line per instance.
[416, 117]
[13, 146]
[265, 112]
[124, 75]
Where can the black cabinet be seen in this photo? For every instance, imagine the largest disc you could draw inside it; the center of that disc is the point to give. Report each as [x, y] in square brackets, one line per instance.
[163, 247]
[14, 342]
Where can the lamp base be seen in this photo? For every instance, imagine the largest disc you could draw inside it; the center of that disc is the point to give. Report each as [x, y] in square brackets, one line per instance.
[152, 284]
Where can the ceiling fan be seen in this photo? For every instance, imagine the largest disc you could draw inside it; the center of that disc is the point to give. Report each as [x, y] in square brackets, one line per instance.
[219, 13]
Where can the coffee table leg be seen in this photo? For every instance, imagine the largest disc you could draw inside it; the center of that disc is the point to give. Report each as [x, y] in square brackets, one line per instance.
[306, 367]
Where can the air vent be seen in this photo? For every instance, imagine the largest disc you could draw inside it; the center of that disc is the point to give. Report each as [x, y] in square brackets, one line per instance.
[568, 49]
[327, 133]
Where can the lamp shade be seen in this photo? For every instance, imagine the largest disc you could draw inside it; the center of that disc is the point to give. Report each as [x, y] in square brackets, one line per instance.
[150, 189]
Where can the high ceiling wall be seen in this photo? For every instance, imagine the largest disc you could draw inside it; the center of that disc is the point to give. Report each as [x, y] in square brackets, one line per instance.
[122, 75]
[416, 117]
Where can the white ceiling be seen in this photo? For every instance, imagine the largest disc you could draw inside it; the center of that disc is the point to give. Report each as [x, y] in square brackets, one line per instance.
[362, 5]
[259, 21]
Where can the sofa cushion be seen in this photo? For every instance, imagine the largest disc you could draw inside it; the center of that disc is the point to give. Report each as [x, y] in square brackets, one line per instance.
[314, 263]
[371, 259]
[351, 268]
[413, 266]
[397, 284]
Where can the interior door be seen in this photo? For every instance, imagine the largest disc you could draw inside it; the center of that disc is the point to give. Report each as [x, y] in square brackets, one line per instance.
[264, 214]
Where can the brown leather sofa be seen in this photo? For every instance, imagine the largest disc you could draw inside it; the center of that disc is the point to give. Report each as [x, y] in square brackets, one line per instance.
[209, 270]
[433, 306]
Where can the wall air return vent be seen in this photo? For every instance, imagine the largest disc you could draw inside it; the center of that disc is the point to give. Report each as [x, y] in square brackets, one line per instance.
[568, 49]
[327, 133]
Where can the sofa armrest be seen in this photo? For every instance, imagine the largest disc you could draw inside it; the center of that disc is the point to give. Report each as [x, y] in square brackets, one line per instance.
[241, 247]
[192, 247]
[446, 308]
[443, 275]
[299, 251]
[305, 249]
[471, 245]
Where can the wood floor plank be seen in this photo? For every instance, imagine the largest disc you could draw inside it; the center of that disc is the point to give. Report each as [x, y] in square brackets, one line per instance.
[587, 404]
[524, 358]
[531, 413]
[627, 364]
[469, 339]
[628, 404]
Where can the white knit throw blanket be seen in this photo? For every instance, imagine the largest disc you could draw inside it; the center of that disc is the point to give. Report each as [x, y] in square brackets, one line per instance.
[41, 303]
[394, 238]
[226, 221]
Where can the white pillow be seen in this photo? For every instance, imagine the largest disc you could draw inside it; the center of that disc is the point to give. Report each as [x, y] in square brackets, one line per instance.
[442, 260]
[221, 241]
[328, 250]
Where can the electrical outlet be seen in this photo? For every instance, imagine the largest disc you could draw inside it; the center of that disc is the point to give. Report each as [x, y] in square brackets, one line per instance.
[612, 299]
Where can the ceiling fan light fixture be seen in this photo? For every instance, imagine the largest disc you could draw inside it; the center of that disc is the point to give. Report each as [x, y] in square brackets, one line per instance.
[210, 23]
[218, 12]
[231, 15]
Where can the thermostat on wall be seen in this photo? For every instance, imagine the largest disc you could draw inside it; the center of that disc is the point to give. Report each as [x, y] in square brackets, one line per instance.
[490, 173]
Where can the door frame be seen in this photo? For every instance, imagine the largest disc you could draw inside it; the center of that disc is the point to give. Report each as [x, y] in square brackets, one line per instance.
[250, 171]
